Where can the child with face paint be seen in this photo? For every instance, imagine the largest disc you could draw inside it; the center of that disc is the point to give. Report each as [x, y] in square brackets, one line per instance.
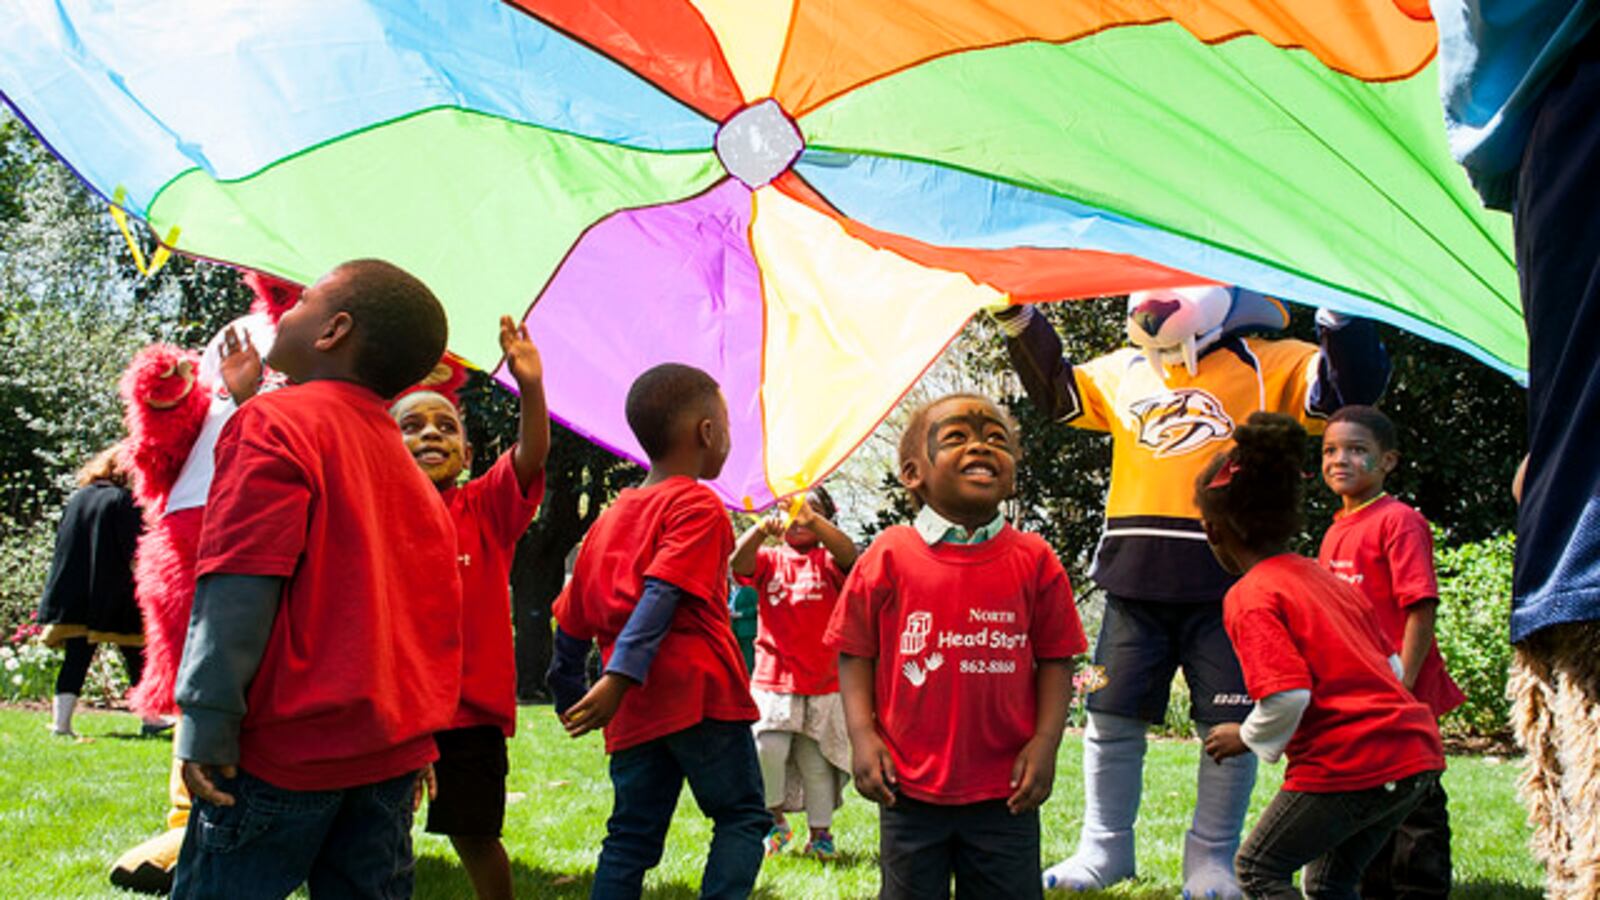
[801, 738]
[956, 635]
[1363, 752]
[1384, 548]
[490, 514]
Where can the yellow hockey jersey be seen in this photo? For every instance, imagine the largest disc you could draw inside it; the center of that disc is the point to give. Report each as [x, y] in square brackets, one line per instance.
[1167, 426]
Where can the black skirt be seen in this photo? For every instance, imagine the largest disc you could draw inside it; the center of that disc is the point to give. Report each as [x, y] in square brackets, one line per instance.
[90, 589]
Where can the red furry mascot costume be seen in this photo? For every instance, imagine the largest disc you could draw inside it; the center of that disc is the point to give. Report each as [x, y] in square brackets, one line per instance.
[174, 405]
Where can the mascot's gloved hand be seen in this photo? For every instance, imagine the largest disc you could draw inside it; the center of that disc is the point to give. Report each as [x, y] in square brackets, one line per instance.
[1012, 318]
[1332, 320]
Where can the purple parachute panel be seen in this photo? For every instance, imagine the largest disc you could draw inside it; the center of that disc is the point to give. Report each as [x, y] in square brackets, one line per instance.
[673, 283]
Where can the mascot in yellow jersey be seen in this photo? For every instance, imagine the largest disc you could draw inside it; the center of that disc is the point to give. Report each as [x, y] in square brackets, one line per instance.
[1198, 365]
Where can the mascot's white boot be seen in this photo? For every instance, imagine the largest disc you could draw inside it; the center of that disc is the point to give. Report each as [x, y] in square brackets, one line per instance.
[1222, 796]
[1113, 776]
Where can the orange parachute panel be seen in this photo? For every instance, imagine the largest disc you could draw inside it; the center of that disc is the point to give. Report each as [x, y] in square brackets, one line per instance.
[1027, 274]
[834, 46]
[666, 41]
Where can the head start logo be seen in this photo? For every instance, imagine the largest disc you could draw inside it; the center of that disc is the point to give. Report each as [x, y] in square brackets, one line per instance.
[1181, 421]
[914, 639]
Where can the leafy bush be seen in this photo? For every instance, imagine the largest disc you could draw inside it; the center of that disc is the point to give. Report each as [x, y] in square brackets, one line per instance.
[1473, 623]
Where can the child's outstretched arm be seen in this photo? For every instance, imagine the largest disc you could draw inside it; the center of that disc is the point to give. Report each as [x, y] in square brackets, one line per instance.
[1033, 775]
[839, 545]
[1265, 732]
[743, 561]
[631, 657]
[228, 633]
[525, 366]
[869, 757]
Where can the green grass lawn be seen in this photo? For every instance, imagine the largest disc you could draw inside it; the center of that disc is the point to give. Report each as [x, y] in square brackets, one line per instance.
[67, 809]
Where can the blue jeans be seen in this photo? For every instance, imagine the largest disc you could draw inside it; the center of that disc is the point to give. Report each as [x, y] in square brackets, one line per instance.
[719, 761]
[354, 842]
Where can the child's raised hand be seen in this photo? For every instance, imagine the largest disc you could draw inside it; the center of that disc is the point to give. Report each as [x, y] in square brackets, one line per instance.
[1033, 775]
[522, 357]
[874, 769]
[773, 526]
[240, 366]
[597, 707]
[1224, 742]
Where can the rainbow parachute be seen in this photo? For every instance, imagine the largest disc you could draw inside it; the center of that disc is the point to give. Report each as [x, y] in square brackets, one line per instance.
[807, 198]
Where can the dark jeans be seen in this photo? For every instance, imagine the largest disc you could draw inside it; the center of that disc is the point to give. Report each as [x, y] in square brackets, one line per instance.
[1415, 862]
[354, 842]
[80, 654]
[718, 759]
[992, 853]
[1143, 642]
[1333, 836]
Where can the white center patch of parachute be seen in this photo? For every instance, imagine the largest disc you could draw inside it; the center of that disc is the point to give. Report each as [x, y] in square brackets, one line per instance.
[758, 143]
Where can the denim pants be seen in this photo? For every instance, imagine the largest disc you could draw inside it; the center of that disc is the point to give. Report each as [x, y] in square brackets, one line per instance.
[718, 759]
[1415, 863]
[992, 853]
[1334, 836]
[354, 842]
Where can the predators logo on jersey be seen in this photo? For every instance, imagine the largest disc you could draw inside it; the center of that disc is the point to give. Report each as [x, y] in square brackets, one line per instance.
[1180, 421]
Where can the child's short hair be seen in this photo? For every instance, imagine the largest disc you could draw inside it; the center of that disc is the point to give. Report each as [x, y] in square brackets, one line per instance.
[1259, 494]
[1373, 420]
[400, 325]
[824, 501]
[660, 396]
[915, 435]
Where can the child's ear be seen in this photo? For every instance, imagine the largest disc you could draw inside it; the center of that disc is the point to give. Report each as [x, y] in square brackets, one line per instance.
[466, 454]
[910, 475]
[705, 433]
[335, 331]
[1389, 460]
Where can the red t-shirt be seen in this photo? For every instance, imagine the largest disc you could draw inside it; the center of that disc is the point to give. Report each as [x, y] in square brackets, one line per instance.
[314, 485]
[1294, 625]
[955, 630]
[797, 592]
[491, 512]
[1386, 550]
[676, 531]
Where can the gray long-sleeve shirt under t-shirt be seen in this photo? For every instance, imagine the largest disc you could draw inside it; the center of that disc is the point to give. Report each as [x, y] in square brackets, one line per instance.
[228, 633]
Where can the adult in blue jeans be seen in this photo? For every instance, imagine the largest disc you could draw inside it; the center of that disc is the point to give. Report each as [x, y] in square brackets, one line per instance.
[1521, 90]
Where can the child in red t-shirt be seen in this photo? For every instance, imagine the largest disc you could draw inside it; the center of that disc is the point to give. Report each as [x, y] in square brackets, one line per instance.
[1362, 751]
[651, 585]
[490, 512]
[324, 649]
[956, 635]
[801, 737]
[1385, 549]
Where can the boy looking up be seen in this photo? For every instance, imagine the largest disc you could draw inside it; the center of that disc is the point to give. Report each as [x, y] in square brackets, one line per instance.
[658, 559]
[324, 647]
[490, 514]
[956, 635]
[1384, 548]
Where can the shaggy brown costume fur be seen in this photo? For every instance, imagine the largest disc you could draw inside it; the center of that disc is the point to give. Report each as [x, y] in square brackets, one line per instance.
[1555, 693]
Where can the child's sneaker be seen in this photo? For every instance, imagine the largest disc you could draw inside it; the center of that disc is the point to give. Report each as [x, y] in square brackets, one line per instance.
[777, 839]
[822, 848]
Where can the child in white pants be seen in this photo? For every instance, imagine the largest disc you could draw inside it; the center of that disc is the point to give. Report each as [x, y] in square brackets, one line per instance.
[801, 738]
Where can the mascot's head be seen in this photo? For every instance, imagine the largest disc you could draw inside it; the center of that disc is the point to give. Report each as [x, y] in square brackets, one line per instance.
[274, 296]
[1175, 325]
